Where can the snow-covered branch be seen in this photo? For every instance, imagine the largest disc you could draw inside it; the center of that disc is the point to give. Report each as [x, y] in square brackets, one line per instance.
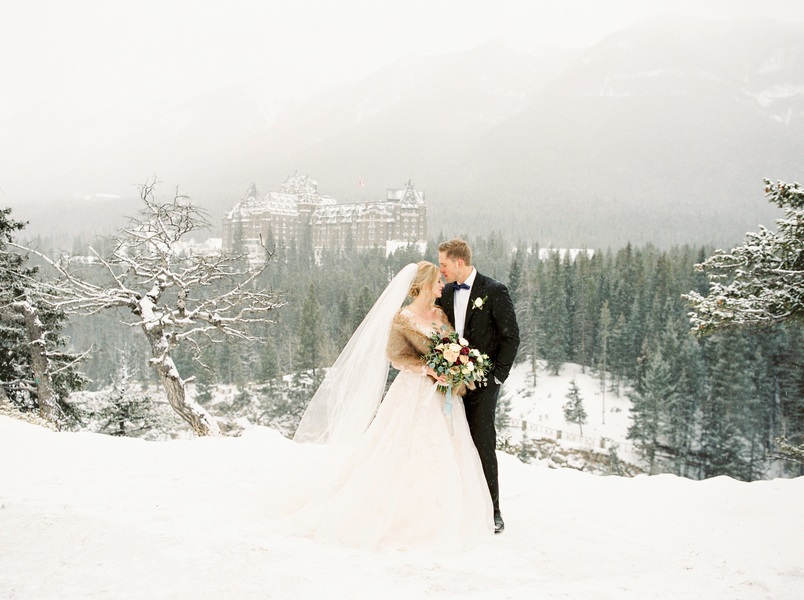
[212, 293]
[762, 281]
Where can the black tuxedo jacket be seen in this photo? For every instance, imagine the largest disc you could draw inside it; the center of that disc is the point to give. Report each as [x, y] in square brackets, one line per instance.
[492, 328]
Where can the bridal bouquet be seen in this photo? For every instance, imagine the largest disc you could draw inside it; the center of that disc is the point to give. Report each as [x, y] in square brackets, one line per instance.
[450, 355]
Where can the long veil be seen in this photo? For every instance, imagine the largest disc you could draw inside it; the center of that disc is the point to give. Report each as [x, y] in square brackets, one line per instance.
[345, 403]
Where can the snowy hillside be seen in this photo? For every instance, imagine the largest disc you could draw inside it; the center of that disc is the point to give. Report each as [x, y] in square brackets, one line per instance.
[90, 516]
[542, 407]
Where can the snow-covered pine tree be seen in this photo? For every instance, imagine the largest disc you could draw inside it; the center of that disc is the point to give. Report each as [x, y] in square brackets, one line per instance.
[36, 373]
[762, 281]
[129, 412]
[574, 412]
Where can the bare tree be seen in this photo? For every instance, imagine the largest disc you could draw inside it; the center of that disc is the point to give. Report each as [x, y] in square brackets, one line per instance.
[173, 298]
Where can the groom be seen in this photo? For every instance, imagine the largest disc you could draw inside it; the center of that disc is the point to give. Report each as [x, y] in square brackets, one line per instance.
[481, 311]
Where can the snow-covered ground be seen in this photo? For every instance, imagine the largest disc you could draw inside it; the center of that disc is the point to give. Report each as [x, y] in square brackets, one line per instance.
[84, 515]
[542, 408]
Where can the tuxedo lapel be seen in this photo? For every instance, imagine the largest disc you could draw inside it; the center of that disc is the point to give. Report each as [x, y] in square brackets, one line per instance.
[478, 289]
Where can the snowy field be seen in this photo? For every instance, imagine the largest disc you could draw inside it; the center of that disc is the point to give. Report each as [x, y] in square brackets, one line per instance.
[90, 516]
[542, 406]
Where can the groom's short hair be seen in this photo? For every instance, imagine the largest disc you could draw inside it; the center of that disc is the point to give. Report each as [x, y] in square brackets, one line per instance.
[457, 248]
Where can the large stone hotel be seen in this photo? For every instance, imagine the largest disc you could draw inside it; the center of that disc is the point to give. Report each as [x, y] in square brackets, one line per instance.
[298, 210]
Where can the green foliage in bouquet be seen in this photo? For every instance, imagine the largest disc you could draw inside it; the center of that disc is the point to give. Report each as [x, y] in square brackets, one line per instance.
[450, 355]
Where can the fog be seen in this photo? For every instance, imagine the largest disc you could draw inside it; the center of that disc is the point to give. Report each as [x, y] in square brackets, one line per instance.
[77, 75]
[71, 60]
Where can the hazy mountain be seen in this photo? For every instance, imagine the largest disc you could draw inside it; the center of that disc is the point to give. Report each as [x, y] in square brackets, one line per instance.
[410, 119]
[660, 132]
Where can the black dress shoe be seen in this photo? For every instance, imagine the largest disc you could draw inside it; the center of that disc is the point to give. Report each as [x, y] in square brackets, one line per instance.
[499, 525]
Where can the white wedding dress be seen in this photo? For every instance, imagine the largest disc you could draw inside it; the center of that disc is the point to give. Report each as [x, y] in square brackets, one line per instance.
[413, 479]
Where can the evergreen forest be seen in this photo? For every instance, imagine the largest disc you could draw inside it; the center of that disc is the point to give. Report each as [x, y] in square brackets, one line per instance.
[702, 407]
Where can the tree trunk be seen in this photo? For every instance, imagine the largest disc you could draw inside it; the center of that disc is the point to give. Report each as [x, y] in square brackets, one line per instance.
[40, 364]
[199, 419]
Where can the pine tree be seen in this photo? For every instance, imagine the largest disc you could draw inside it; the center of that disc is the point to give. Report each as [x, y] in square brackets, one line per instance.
[682, 409]
[127, 413]
[649, 402]
[586, 310]
[527, 314]
[574, 411]
[342, 322]
[36, 373]
[729, 387]
[365, 300]
[308, 357]
[762, 281]
[269, 363]
[554, 317]
[515, 278]
[603, 335]
[618, 355]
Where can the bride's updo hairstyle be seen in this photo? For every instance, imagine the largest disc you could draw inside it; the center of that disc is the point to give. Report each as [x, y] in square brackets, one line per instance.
[426, 276]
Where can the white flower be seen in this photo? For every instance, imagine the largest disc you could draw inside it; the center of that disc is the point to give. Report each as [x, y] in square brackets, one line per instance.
[463, 342]
[479, 302]
[455, 347]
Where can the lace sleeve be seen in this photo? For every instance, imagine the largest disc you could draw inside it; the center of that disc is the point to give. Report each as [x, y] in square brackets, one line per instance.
[410, 367]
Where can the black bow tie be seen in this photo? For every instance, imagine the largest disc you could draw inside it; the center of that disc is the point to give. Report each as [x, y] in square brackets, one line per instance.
[459, 286]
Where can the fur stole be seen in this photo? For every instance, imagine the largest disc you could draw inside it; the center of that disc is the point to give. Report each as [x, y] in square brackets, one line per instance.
[407, 344]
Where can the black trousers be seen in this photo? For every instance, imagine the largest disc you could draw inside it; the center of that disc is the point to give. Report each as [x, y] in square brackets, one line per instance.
[481, 405]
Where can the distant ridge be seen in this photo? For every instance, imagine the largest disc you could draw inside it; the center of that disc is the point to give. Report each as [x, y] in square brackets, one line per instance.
[660, 133]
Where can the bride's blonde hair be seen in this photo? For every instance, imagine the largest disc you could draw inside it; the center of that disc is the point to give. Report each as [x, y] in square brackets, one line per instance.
[426, 276]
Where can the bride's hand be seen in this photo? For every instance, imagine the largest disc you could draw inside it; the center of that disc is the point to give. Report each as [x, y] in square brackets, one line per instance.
[441, 379]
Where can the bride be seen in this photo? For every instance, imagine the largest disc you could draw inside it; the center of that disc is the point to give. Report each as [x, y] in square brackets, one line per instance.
[410, 475]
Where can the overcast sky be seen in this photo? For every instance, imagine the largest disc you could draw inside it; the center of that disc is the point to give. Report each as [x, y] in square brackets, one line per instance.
[68, 59]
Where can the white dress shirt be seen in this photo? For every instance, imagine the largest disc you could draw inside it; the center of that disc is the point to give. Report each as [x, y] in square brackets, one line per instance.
[461, 302]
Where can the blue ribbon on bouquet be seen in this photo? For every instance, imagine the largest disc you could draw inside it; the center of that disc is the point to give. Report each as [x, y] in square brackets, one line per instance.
[448, 408]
